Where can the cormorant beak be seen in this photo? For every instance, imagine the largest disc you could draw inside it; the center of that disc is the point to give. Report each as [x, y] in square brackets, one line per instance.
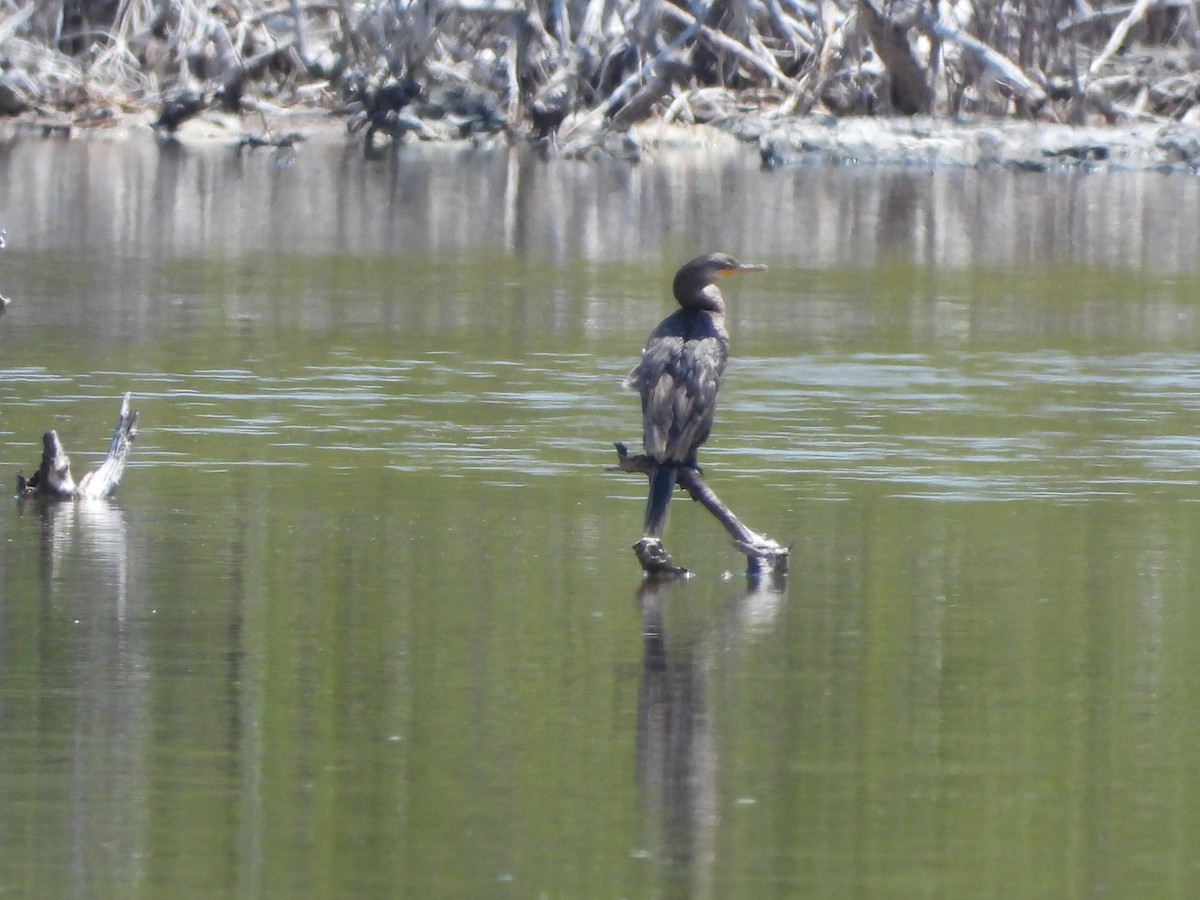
[742, 269]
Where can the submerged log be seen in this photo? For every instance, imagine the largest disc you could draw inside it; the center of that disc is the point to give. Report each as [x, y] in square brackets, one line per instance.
[763, 555]
[53, 478]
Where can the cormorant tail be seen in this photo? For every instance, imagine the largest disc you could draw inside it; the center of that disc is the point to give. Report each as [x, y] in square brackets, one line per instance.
[662, 486]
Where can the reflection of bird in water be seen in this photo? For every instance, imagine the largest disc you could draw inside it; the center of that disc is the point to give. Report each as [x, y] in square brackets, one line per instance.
[676, 747]
[680, 374]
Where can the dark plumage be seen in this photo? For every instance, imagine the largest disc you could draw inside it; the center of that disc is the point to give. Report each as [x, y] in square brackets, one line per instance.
[378, 107]
[552, 105]
[680, 375]
[177, 108]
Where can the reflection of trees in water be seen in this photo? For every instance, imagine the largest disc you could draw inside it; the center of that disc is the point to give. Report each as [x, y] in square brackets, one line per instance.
[558, 229]
[95, 655]
[676, 736]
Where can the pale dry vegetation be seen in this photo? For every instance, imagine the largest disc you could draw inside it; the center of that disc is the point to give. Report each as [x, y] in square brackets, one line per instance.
[594, 67]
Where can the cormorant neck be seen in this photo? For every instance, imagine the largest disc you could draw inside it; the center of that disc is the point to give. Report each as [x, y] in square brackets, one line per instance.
[706, 298]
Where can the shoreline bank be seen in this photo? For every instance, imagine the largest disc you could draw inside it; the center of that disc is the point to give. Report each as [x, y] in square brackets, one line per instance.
[779, 141]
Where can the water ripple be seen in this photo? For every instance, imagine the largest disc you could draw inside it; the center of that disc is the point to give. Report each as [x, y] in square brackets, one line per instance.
[952, 426]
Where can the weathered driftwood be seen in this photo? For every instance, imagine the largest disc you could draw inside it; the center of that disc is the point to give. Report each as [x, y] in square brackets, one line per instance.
[582, 133]
[1119, 35]
[53, 478]
[762, 553]
[993, 63]
[73, 60]
[762, 62]
[910, 89]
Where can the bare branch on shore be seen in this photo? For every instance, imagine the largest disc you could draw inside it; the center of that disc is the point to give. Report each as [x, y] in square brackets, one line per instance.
[522, 69]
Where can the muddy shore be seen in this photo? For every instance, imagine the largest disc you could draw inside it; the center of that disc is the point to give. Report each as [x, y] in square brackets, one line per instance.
[778, 141]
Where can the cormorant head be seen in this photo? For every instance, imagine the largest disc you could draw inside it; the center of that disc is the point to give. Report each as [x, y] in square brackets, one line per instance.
[696, 283]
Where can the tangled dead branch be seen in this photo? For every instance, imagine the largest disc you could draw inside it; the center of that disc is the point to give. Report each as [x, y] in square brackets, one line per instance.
[594, 67]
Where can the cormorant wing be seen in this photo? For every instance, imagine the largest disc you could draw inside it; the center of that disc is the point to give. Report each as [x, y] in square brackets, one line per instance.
[678, 381]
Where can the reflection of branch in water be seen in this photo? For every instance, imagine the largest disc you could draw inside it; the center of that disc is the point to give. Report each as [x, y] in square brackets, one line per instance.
[99, 670]
[97, 525]
[676, 735]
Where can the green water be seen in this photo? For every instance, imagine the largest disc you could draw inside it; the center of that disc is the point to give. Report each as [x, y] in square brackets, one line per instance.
[364, 619]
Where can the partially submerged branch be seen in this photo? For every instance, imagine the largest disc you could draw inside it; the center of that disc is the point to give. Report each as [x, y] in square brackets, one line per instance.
[762, 553]
[53, 478]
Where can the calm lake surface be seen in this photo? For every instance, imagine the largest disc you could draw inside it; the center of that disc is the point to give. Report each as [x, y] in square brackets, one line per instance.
[364, 619]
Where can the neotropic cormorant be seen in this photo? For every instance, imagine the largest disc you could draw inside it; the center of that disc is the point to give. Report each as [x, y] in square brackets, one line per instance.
[679, 377]
[552, 105]
[378, 106]
[177, 108]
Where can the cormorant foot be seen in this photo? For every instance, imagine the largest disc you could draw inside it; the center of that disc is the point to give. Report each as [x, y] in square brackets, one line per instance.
[655, 560]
